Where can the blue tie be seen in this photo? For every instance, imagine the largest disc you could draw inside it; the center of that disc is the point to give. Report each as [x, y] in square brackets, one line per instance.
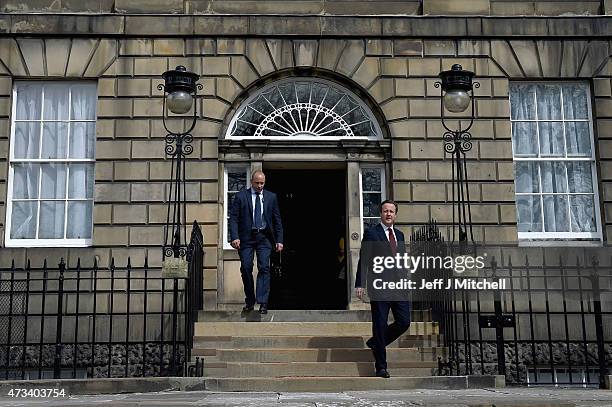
[258, 221]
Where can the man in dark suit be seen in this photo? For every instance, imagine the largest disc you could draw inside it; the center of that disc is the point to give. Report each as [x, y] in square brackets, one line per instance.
[382, 240]
[255, 227]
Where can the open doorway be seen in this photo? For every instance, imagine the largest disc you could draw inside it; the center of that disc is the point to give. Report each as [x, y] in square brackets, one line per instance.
[311, 272]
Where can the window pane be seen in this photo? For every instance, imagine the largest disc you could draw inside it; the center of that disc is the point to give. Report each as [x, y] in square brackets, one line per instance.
[524, 138]
[529, 213]
[82, 140]
[51, 220]
[79, 220]
[80, 184]
[555, 213]
[370, 222]
[230, 198]
[27, 139]
[575, 104]
[549, 102]
[527, 179]
[582, 213]
[23, 220]
[579, 177]
[553, 177]
[56, 102]
[551, 139]
[371, 204]
[29, 101]
[236, 180]
[53, 183]
[522, 101]
[371, 179]
[55, 138]
[25, 183]
[578, 138]
[83, 103]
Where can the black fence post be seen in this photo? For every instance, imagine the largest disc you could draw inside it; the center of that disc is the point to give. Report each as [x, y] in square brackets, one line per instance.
[57, 367]
[499, 327]
[174, 323]
[601, 350]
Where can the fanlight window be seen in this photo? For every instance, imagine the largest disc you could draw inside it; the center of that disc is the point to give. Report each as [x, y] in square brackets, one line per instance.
[304, 108]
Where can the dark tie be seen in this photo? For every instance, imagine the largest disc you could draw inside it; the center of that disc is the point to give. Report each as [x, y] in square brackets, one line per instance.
[392, 241]
[257, 217]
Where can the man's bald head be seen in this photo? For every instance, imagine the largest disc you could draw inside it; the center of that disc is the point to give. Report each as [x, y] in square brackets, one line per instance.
[258, 180]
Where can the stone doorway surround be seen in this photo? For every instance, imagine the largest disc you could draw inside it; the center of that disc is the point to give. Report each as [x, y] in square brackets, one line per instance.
[302, 155]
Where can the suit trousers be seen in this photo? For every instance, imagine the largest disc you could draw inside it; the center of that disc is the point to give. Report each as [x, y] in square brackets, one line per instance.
[383, 333]
[260, 244]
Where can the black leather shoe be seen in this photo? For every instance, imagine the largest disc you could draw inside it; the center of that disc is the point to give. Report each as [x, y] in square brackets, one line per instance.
[263, 308]
[370, 344]
[247, 308]
[383, 373]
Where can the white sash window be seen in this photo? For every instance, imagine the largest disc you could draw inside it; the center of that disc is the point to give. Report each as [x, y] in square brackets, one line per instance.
[554, 161]
[51, 176]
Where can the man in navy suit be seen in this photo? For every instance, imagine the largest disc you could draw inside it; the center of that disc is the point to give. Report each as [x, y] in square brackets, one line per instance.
[391, 242]
[255, 227]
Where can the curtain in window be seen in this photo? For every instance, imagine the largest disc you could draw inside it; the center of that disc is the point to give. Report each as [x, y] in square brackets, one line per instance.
[53, 200]
[554, 193]
[582, 202]
[25, 186]
[81, 134]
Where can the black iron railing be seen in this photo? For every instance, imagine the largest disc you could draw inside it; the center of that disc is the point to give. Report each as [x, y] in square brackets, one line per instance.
[550, 324]
[76, 321]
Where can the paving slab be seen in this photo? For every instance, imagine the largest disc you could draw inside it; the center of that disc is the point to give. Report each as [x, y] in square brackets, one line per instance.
[507, 397]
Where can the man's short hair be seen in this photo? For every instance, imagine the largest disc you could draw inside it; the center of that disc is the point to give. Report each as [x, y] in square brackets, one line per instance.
[388, 201]
[257, 172]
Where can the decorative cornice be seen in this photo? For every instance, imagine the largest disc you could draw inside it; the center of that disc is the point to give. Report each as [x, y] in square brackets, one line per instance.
[164, 25]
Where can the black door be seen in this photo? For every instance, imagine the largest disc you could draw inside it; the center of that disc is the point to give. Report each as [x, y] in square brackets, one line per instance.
[311, 271]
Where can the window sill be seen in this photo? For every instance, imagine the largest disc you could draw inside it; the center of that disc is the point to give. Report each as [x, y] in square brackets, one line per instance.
[47, 243]
[560, 243]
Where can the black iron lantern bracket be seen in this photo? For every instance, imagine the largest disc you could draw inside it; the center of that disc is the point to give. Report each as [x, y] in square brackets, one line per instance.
[182, 86]
[456, 85]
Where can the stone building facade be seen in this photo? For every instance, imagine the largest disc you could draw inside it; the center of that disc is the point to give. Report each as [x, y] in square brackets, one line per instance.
[385, 54]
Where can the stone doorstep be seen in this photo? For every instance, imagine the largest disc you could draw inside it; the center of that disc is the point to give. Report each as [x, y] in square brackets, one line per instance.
[264, 355]
[339, 384]
[302, 328]
[308, 384]
[301, 316]
[310, 342]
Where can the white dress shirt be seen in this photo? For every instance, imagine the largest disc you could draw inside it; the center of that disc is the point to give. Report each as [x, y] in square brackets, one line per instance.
[386, 229]
[253, 197]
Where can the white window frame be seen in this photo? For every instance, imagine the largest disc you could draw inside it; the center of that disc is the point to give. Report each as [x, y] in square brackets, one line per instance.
[561, 236]
[64, 242]
[235, 166]
[383, 192]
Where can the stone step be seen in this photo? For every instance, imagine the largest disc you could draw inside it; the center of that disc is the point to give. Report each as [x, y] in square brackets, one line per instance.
[302, 328]
[315, 355]
[308, 341]
[338, 384]
[301, 316]
[311, 369]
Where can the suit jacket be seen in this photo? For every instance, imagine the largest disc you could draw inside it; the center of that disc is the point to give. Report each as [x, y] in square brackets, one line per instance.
[376, 234]
[241, 216]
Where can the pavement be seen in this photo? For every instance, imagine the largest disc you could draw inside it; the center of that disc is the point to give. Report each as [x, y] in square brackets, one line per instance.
[506, 397]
